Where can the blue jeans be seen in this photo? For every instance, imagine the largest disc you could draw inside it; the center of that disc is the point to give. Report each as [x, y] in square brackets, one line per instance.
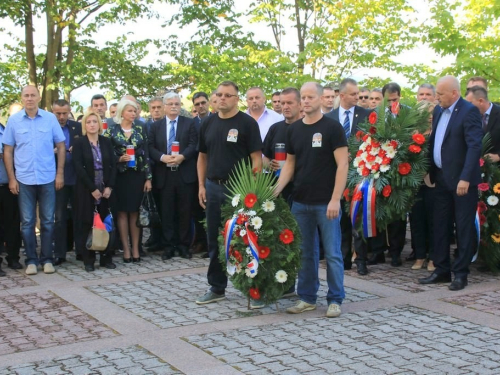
[309, 218]
[46, 197]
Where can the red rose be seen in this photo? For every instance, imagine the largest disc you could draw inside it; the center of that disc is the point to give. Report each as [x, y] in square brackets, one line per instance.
[481, 206]
[395, 108]
[370, 158]
[358, 196]
[372, 130]
[372, 119]
[483, 187]
[482, 219]
[346, 195]
[264, 252]
[404, 168]
[365, 172]
[254, 293]
[250, 200]
[418, 138]
[386, 191]
[359, 135]
[286, 236]
[415, 149]
[382, 153]
[481, 162]
[375, 167]
[386, 160]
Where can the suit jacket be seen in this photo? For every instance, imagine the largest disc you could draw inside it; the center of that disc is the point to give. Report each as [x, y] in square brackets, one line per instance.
[359, 116]
[494, 129]
[187, 136]
[461, 148]
[75, 132]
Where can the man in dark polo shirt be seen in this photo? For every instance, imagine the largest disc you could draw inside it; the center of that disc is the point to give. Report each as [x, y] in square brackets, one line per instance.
[317, 159]
[225, 138]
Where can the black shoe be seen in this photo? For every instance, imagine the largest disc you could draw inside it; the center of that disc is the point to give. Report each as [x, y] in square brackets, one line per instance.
[89, 268]
[168, 253]
[127, 260]
[347, 265]
[59, 261]
[411, 257]
[361, 268]
[79, 257]
[459, 283]
[184, 252]
[376, 259]
[396, 261]
[206, 255]
[109, 266]
[136, 260]
[435, 278]
[154, 247]
[15, 265]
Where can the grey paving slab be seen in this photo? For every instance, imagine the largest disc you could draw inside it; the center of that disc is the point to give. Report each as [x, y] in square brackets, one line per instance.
[488, 302]
[399, 340]
[169, 301]
[15, 279]
[119, 361]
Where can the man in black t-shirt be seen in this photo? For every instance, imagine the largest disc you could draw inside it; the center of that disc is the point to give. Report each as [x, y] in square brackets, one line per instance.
[317, 159]
[225, 138]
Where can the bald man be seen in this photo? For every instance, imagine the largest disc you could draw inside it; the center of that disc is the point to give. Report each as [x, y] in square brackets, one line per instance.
[455, 149]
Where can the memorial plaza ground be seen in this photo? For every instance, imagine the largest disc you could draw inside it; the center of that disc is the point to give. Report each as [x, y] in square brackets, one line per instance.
[142, 319]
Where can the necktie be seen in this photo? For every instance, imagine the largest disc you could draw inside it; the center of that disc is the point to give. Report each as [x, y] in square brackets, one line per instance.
[347, 124]
[485, 122]
[171, 137]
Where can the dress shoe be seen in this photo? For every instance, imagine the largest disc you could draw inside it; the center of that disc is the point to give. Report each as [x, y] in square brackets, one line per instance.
[347, 265]
[109, 265]
[127, 260]
[459, 283]
[15, 265]
[59, 261]
[136, 260]
[361, 268]
[419, 264]
[89, 268]
[79, 257]
[206, 255]
[435, 278]
[168, 253]
[396, 261]
[185, 253]
[376, 259]
[411, 257]
[199, 247]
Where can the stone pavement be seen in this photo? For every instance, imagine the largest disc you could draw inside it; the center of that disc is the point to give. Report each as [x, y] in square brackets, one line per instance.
[142, 319]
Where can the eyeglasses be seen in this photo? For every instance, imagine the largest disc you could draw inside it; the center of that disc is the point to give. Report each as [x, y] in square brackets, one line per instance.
[361, 97]
[220, 95]
[200, 103]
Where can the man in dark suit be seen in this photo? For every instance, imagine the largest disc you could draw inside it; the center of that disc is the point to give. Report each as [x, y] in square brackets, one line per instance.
[490, 114]
[71, 130]
[349, 114]
[455, 149]
[175, 175]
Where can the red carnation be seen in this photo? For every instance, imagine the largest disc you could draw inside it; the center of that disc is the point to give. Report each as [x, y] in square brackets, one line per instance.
[482, 219]
[395, 108]
[415, 149]
[481, 162]
[375, 167]
[370, 158]
[365, 172]
[346, 195]
[359, 134]
[286, 236]
[368, 148]
[361, 164]
[237, 255]
[386, 160]
[372, 130]
[382, 153]
[359, 153]
[358, 196]
[365, 137]
[404, 168]
[250, 200]
[264, 252]
[386, 191]
[372, 119]
[483, 187]
[481, 206]
[241, 219]
[254, 293]
[394, 144]
[375, 144]
[418, 138]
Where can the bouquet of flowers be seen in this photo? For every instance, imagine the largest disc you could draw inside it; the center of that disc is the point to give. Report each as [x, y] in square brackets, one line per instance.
[488, 210]
[260, 241]
[389, 162]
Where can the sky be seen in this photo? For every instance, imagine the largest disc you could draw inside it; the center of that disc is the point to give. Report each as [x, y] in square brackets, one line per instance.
[154, 29]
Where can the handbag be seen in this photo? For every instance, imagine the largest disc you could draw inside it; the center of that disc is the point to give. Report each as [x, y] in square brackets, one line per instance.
[148, 214]
[98, 237]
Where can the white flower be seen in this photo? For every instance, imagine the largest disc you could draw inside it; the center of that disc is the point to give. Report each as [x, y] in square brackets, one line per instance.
[251, 213]
[281, 276]
[378, 160]
[250, 274]
[386, 146]
[482, 175]
[236, 200]
[241, 210]
[368, 165]
[376, 175]
[356, 162]
[243, 232]
[268, 206]
[256, 222]
[239, 268]
[363, 146]
[374, 151]
[360, 171]
[391, 153]
[384, 168]
[492, 200]
[248, 251]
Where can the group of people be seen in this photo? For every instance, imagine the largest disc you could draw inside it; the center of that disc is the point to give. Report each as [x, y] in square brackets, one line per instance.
[105, 165]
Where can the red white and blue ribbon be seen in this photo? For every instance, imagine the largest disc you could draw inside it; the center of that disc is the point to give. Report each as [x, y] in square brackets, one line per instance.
[369, 198]
[356, 204]
[228, 235]
[254, 249]
[477, 224]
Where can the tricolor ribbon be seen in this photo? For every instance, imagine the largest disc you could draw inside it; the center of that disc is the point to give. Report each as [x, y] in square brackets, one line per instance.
[254, 249]
[356, 204]
[477, 224]
[252, 244]
[228, 235]
[369, 198]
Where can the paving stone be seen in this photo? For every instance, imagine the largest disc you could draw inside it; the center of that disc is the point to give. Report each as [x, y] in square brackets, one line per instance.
[488, 302]
[15, 279]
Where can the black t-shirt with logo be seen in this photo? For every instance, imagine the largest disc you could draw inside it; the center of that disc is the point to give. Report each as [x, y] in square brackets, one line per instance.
[227, 141]
[315, 167]
[276, 134]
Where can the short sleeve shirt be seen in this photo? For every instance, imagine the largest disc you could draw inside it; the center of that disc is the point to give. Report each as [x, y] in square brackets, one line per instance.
[315, 167]
[227, 141]
[276, 134]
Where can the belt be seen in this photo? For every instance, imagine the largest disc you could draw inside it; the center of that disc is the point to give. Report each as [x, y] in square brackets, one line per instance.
[173, 169]
[218, 181]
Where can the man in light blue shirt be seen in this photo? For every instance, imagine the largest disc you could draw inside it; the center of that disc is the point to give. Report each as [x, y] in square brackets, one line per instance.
[31, 169]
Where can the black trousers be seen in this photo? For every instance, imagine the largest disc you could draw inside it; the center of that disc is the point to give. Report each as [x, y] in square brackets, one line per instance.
[9, 216]
[448, 206]
[346, 230]
[63, 197]
[397, 237]
[176, 204]
[377, 245]
[421, 222]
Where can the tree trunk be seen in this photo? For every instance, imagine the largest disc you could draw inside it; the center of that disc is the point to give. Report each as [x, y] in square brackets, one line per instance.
[30, 48]
[50, 84]
[300, 35]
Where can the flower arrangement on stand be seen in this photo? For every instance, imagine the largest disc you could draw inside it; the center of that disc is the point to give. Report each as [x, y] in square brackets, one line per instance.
[488, 210]
[260, 242]
[389, 162]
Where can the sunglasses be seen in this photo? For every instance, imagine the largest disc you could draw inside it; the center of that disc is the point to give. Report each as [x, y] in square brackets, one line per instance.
[220, 95]
[361, 97]
[200, 103]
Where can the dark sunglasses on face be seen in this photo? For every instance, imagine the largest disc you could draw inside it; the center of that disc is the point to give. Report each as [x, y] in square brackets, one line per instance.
[361, 97]
[200, 103]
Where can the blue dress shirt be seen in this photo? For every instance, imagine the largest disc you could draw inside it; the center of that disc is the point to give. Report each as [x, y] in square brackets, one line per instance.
[440, 132]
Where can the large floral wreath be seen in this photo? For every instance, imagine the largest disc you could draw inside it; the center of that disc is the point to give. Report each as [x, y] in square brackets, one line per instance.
[260, 242]
[389, 163]
[488, 210]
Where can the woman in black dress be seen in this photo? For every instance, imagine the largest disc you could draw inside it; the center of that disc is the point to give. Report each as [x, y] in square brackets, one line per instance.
[133, 178]
[95, 168]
